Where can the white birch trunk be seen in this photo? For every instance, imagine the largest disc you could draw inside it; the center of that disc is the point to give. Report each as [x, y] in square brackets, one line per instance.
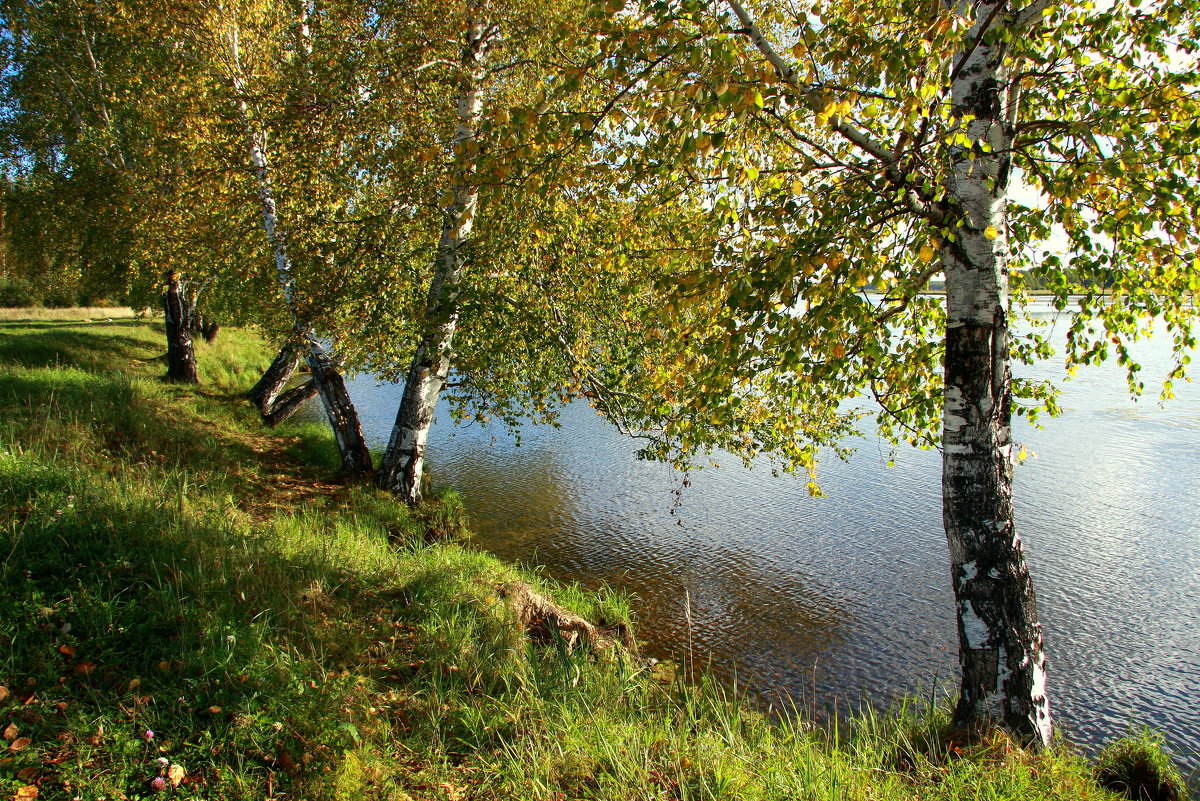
[404, 460]
[1000, 639]
[343, 418]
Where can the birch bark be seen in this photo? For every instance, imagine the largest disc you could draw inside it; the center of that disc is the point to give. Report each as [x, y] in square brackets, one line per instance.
[1000, 639]
[343, 417]
[404, 460]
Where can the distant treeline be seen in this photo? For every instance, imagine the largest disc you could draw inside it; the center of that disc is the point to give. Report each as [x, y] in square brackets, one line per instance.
[21, 292]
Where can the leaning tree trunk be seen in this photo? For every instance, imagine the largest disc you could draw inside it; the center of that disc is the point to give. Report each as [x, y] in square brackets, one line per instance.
[1000, 639]
[181, 355]
[268, 396]
[404, 460]
[289, 403]
[276, 377]
[339, 408]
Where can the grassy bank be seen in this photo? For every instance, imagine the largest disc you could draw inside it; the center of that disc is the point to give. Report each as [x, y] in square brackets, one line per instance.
[192, 608]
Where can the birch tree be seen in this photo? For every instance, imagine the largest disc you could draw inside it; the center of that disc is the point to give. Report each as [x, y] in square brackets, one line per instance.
[503, 145]
[326, 376]
[847, 145]
[303, 97]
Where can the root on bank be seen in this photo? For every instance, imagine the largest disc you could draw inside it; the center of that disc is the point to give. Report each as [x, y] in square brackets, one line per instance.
[543, 621]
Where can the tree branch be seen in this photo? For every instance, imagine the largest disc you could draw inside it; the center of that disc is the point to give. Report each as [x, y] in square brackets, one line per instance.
[808, 91]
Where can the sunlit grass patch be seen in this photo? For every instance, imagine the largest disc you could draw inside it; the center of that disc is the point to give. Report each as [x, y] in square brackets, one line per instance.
[81, 313]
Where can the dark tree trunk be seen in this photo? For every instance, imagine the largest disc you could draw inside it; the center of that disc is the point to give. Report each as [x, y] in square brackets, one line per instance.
[181, 356]
[268, 396]
[343, 417]
[264, 393]
[207, 328]
[287, 403]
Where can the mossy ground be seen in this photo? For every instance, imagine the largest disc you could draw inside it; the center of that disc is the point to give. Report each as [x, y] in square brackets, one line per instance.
[190, 598]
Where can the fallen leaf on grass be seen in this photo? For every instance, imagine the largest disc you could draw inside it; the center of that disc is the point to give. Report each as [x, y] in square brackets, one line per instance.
[215, 710]
[20, 744]
[4, 693]
[66, 650]
[176, 773]
[452, 792]
[28, 791]
[10, 732]
[27, 774]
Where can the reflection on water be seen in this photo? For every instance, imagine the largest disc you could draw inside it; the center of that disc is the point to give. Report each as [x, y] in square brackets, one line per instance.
[848, 595]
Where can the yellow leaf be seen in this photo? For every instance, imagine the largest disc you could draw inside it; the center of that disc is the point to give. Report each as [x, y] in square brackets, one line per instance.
[990, 232]
[176, 773]
[28, 791]
[926, 254]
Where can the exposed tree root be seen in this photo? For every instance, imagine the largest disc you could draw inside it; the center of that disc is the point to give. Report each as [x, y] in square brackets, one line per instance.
[539, 617]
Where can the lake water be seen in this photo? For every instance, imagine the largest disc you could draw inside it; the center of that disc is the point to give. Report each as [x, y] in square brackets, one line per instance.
[847, 597]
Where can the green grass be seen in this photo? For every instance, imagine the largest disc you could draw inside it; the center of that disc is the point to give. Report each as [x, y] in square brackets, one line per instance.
[169, 566]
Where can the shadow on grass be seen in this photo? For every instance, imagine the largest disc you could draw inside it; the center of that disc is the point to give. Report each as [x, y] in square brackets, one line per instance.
[117, 417]
[60, 345]
[129, 612]
[141, 596]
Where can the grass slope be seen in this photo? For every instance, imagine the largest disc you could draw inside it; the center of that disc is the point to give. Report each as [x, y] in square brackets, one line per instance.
[191, 609]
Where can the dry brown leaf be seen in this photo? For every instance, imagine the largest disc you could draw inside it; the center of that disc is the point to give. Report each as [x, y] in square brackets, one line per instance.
[134, 684]
[28, 774]
[11, 731]
[216, 710]
[4, 693]
[20, 744]
[452, 792]
[28, 791]
[176, 773]
[66, 650]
